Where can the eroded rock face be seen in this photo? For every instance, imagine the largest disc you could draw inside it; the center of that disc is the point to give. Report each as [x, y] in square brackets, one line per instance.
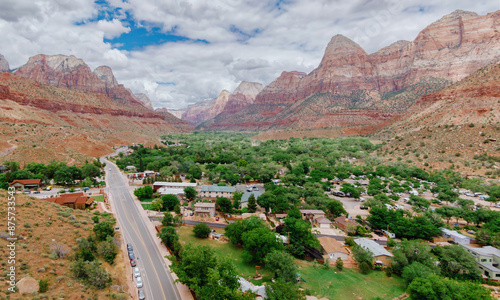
[145, 100]
[71, 72]
[243, 96]
[4, 65]
[348, 78]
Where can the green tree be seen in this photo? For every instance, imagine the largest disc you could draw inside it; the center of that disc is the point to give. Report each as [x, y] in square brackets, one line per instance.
[282, 265]
[408, 252]
[267, 201]
[339, 264]
[415, 270]
[455, 262]
[157, 205]
[108, 250]
[224, 204]
[336, 208]
[168, 219]
[103, 230]
[237, 199]
[145, 192]
[11, 165]
[252, 204]
[90, 170]
[235, 230]
[300, 235]
[96, 275]
[434, 287]
[202, 230]
[170, 201]
[362, 255]
[258, 242]
[190, 193]
[281, 290]
[168, 235]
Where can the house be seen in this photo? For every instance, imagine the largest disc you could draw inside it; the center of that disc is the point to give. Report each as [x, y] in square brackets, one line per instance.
[333, 248]
[312, 214]
[26, 184]
[74, 200]
[131, 168]
[3, 169]
[166, 186]
[260, 290]
[206, 209]
[380, 255]
[246, 195]
[342, 223]
[487, 259]
[214, 191]
[323, 222]
[457, 237]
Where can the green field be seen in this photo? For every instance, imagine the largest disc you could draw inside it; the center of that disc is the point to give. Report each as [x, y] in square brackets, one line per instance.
[348, 284]
[225, 250]
[98, 198]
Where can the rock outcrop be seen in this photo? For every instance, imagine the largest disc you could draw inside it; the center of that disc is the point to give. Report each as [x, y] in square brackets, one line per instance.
[71, 72]
[4, 65]
[388, 81]
[243, 96]
[144, 100]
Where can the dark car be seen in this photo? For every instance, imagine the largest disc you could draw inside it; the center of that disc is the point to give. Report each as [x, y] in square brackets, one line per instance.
[36, 192]
[129, 247]
[379, 233]
[131, 255]
[363, 207]
[141, 294]
[133, 263]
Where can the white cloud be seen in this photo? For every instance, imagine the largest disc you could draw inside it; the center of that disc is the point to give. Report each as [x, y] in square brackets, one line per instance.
[252, 40]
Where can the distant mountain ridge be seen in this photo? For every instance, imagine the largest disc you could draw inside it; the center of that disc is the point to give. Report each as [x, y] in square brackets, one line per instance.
[4, 65]
[361, 93]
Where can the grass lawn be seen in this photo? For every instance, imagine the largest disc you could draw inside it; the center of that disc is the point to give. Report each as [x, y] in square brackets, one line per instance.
[146, 206]
[98, 198]
[228, 250]
[147, 200]
[348, 284]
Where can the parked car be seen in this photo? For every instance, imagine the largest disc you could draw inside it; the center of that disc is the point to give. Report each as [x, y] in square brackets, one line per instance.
[140, 292]
[363, 207]
[129, 247]
[137, 272]
[131, 255]
[133, 263]
[78, 190]
[255, 188]
[27, 191]
[36, 192]
[379, 233]
[138, 282]
[109, 169]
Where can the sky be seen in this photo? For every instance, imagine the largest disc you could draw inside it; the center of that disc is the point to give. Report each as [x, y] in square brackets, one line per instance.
[179, 52]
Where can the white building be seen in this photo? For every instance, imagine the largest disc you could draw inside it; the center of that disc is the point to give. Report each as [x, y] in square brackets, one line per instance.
[172, 185]
[457, 237]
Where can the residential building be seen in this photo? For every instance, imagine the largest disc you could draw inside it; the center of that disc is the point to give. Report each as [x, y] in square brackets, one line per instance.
[3, 169]
[333, 249]
[342, 222]
[206, 209]
[312, 214]
[323, 222]
[26, 184]
[246, 195]
[259, 290]
[131, 168]
[380, 255]
[166, 186]
[214, 191]
[487, 259]
[73, 200]
[456, 236]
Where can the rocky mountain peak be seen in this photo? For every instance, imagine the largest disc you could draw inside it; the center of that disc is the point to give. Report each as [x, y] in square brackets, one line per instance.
[4, 65]
[145, 100]
[106, 74]
[456, 14]
[248, 88]
[341, 45]
[57, 62]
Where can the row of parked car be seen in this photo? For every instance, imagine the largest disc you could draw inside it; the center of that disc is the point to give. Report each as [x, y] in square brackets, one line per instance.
[137, 272]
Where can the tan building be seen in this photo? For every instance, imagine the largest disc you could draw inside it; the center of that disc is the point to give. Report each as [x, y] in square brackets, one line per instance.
[342, 222]
[487, 259]
[204, 209]
[333, 248]
[312, 214]
[26, 184]
[380, 255]
[323, 222]
[214, 191]
[75, 200]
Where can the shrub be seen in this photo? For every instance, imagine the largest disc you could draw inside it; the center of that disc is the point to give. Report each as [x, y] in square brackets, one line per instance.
[201, 230]
[339, 264]
[349, 241]
[364, 267]
[44, 285]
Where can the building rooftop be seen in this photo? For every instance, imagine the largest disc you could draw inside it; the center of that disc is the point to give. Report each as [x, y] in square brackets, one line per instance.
[166, 190]
[246, 195]
[331, 245]
[216, 188]
[27, 181]
[485, 251]
[204, 204]
[323, 220]
[373, 247]
[453, 233]
[311, 211]
[167, 184]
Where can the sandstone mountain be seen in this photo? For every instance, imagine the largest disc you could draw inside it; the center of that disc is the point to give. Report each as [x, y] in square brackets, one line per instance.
[4, 65]
[45, 122]
[71, 72]
[226, 102]
[358, 92]
[144, 100]
[175, 112]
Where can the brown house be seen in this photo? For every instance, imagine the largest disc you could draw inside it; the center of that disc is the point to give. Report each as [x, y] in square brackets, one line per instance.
[341, 222]
[26, 184]
[75, 200]
[333, 249]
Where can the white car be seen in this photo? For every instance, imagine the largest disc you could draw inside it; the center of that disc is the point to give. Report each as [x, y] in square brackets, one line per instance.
[137, 273]
[139, 282]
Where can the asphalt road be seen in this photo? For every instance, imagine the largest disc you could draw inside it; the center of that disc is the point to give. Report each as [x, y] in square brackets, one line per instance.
[158, 283]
